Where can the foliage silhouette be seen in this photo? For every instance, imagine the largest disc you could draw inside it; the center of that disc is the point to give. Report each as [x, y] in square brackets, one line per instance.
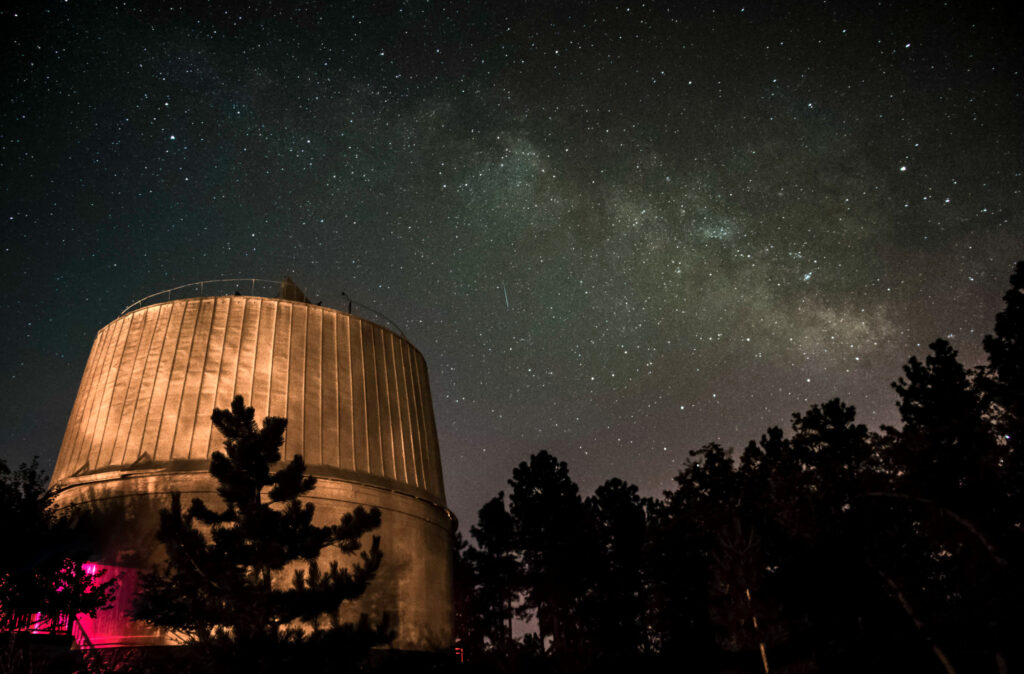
[612, 609]
[223, 588]
[1005, 351]
[42, 574]
[496, 560]
[551, 533]
[827, 548]
[468, 612]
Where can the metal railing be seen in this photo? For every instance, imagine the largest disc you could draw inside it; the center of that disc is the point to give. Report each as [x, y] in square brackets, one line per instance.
[90, 653]
[38, 623]
[62, 625]
[256, 287]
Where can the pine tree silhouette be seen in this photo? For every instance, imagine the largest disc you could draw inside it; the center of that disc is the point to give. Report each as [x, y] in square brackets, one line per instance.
[223, 585]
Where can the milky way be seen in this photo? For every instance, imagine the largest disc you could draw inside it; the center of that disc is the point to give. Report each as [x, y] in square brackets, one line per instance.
[616, 231]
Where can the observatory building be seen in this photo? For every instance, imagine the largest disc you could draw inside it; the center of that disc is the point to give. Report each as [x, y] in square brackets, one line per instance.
[357, 400]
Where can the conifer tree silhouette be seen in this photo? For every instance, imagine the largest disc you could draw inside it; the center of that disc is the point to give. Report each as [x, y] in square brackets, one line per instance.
[223, 586]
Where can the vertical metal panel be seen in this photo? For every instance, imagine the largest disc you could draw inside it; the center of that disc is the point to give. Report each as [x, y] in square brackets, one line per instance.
[295, 392]
[421, 412]
[393, 402]
[417, 415]
[188, 406]
[429, 465]
[279, 363]
[87, 441]
[176, 384]
[157, 328]
[232, 355]
[397, 402]
[412, 439]
[360, 414]
[401, 408]
[410, 415]
[384, 394]
[132, 363]
[112, 359]
[373, 441]
[101, 402]
[313, 396]
[429, 438]
[155, 412]
[330, 434]
[346, 387]
[261, 372]
[113, 401]
[435, 484]
[208, 376]
[136, 351]
[423, 449]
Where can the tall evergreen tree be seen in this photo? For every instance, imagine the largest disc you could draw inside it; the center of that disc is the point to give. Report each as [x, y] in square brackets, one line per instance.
[835, 450]
[679, 564]
[827, 581]
[613, 609]
[469, 630]
[551, 532]
[1005, 351]
[947, 473]
[496, 563]
[1004, 384]
[945, 450]
[223, 585]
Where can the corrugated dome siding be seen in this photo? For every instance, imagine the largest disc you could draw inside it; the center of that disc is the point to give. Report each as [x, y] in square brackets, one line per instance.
[356, 396]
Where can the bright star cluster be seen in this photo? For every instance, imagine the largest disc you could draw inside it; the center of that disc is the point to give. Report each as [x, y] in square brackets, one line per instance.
[616, 230]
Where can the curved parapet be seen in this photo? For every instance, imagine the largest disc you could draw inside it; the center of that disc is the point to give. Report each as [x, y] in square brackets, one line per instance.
[357, 399]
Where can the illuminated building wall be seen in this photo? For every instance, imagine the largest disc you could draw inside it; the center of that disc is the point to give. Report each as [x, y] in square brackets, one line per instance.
[357, 400]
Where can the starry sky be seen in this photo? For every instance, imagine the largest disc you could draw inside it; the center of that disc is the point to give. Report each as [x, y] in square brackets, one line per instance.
[615, 230]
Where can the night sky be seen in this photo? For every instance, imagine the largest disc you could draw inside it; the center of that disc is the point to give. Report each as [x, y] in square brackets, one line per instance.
[616, 231]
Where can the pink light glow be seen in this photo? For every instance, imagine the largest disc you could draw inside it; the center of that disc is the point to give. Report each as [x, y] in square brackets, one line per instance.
[112, 627]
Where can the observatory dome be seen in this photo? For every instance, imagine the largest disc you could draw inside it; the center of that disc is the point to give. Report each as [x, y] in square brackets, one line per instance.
[357, 399]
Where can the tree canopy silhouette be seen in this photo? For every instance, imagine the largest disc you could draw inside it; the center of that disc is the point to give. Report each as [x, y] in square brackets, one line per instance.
[551, 534]
[42, 573]
[826, 547]
[223, 586]
[496, 559]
